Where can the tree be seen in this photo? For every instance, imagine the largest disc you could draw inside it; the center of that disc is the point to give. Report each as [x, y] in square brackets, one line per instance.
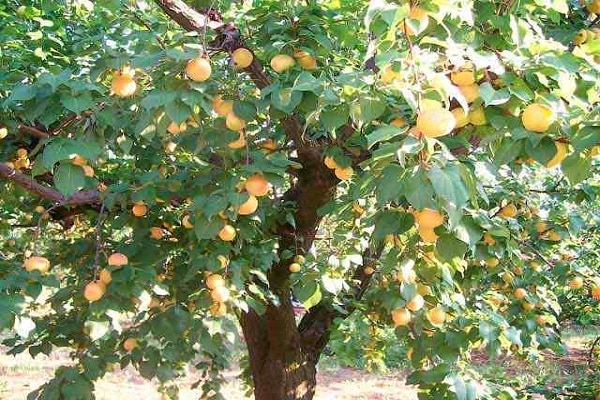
[194, 166]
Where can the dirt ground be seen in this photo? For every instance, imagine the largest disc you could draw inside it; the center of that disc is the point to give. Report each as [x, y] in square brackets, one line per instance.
[21, 374]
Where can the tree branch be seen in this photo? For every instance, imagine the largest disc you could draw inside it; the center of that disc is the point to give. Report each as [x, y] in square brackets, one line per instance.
[28, 183]
[188, 18]
[33, 131]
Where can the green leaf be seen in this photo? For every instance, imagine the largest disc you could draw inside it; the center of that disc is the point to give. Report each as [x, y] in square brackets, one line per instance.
[77, 103]
[449, 247]
[382, 134]
[309, 294]
[306, 82]
[158, 98]
[23, 92]
[335, 117]
[96, 329]
[367, 109]
[577, 167]
[448, 185]
[391, 222]
[286, 99]
[207, 229]
[245, 110]
[508, 151]
[419, 191]
[177, 111]
[68, 178]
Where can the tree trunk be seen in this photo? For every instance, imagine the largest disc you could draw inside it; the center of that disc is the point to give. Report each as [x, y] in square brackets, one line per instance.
[280, 369]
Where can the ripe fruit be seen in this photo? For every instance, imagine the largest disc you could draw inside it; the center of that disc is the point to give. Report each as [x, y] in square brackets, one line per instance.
[489, 239]
[174, 129]
[294, 267]
[470, 92]
[218, 309]
[156, 233]
[388, 75]
[94, 291]
[234, 123]
[436, 316]
[222, 107]
[492, 262]
[508, 211]
[123, 84]
[520, 293]
[461, 117]
[227, 233]
[368, 271]
[344, 173]
[541, 319]
[139, 209]
[78, 160]
[477, 116]
[593, 7]
[463, 78]
[88, 171]
[398, 122]
[257, 185]
[242, 57]
[249, 206]
[117, 260]
[428, 218]
[269, 145]
[239, 143]
[105, 276]
[416, 13]
[220, 294]
[416, 303]
[541, 226]
[537, 117]
[435, 122]
[428, 235]
[507, 277]
[576, 283]
[130, 344]
[330, 163]
[553, 235]
[401, 316]
[300, 259]
[3, 133]
[282, 62]
[305, 60]
[527, 306]
[214, 281]
[596, 292]
[559, 156]
[198, 69]
[36, 263]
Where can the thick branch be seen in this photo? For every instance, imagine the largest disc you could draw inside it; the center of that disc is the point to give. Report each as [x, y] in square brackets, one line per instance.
[28, 183]
[33, 131]
[188, 18]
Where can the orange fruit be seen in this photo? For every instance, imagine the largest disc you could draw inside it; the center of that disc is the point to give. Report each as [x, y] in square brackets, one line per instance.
[130, 344]
[174, 129]
[344, 174]
[185, 222]
[123, 85]
[139, 209]
[94, 291]
[249, 206]
[470, 92]
[294, 267]
[257, 185]
[416, 303]
[269, 144]
[596, 292]
[88, 171]
[419, 14]
[78, 160]
[561, 153]
[461, 117]
[214, 281]
[234, 123]
[369, 271]
[477, 117]
[218, 309]
[242, 57]
[489, 239]
[105, 276]
[36, 263]
[220, 294]
[437, 316]
[576, 283]
[527, 306]
[401, 316]
[520, 293]
[227, 233]
[330, 162]
[198, 69]
[156, 233]
[428, 235]
[508, 211]
[305, 60]
[222, 107]
[239, 143]
[537, 117]
[398, 122]
[463, 78]
[428, 218]
[282, 62]
[117, 260]
[436, 122]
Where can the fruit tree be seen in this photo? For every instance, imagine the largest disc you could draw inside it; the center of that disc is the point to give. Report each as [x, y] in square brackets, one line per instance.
[176, 175]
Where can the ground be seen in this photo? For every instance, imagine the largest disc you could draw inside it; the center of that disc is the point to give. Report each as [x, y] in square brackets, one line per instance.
[19, 375]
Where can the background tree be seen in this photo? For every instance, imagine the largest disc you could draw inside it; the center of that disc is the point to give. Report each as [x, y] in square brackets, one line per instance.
[196, 166]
